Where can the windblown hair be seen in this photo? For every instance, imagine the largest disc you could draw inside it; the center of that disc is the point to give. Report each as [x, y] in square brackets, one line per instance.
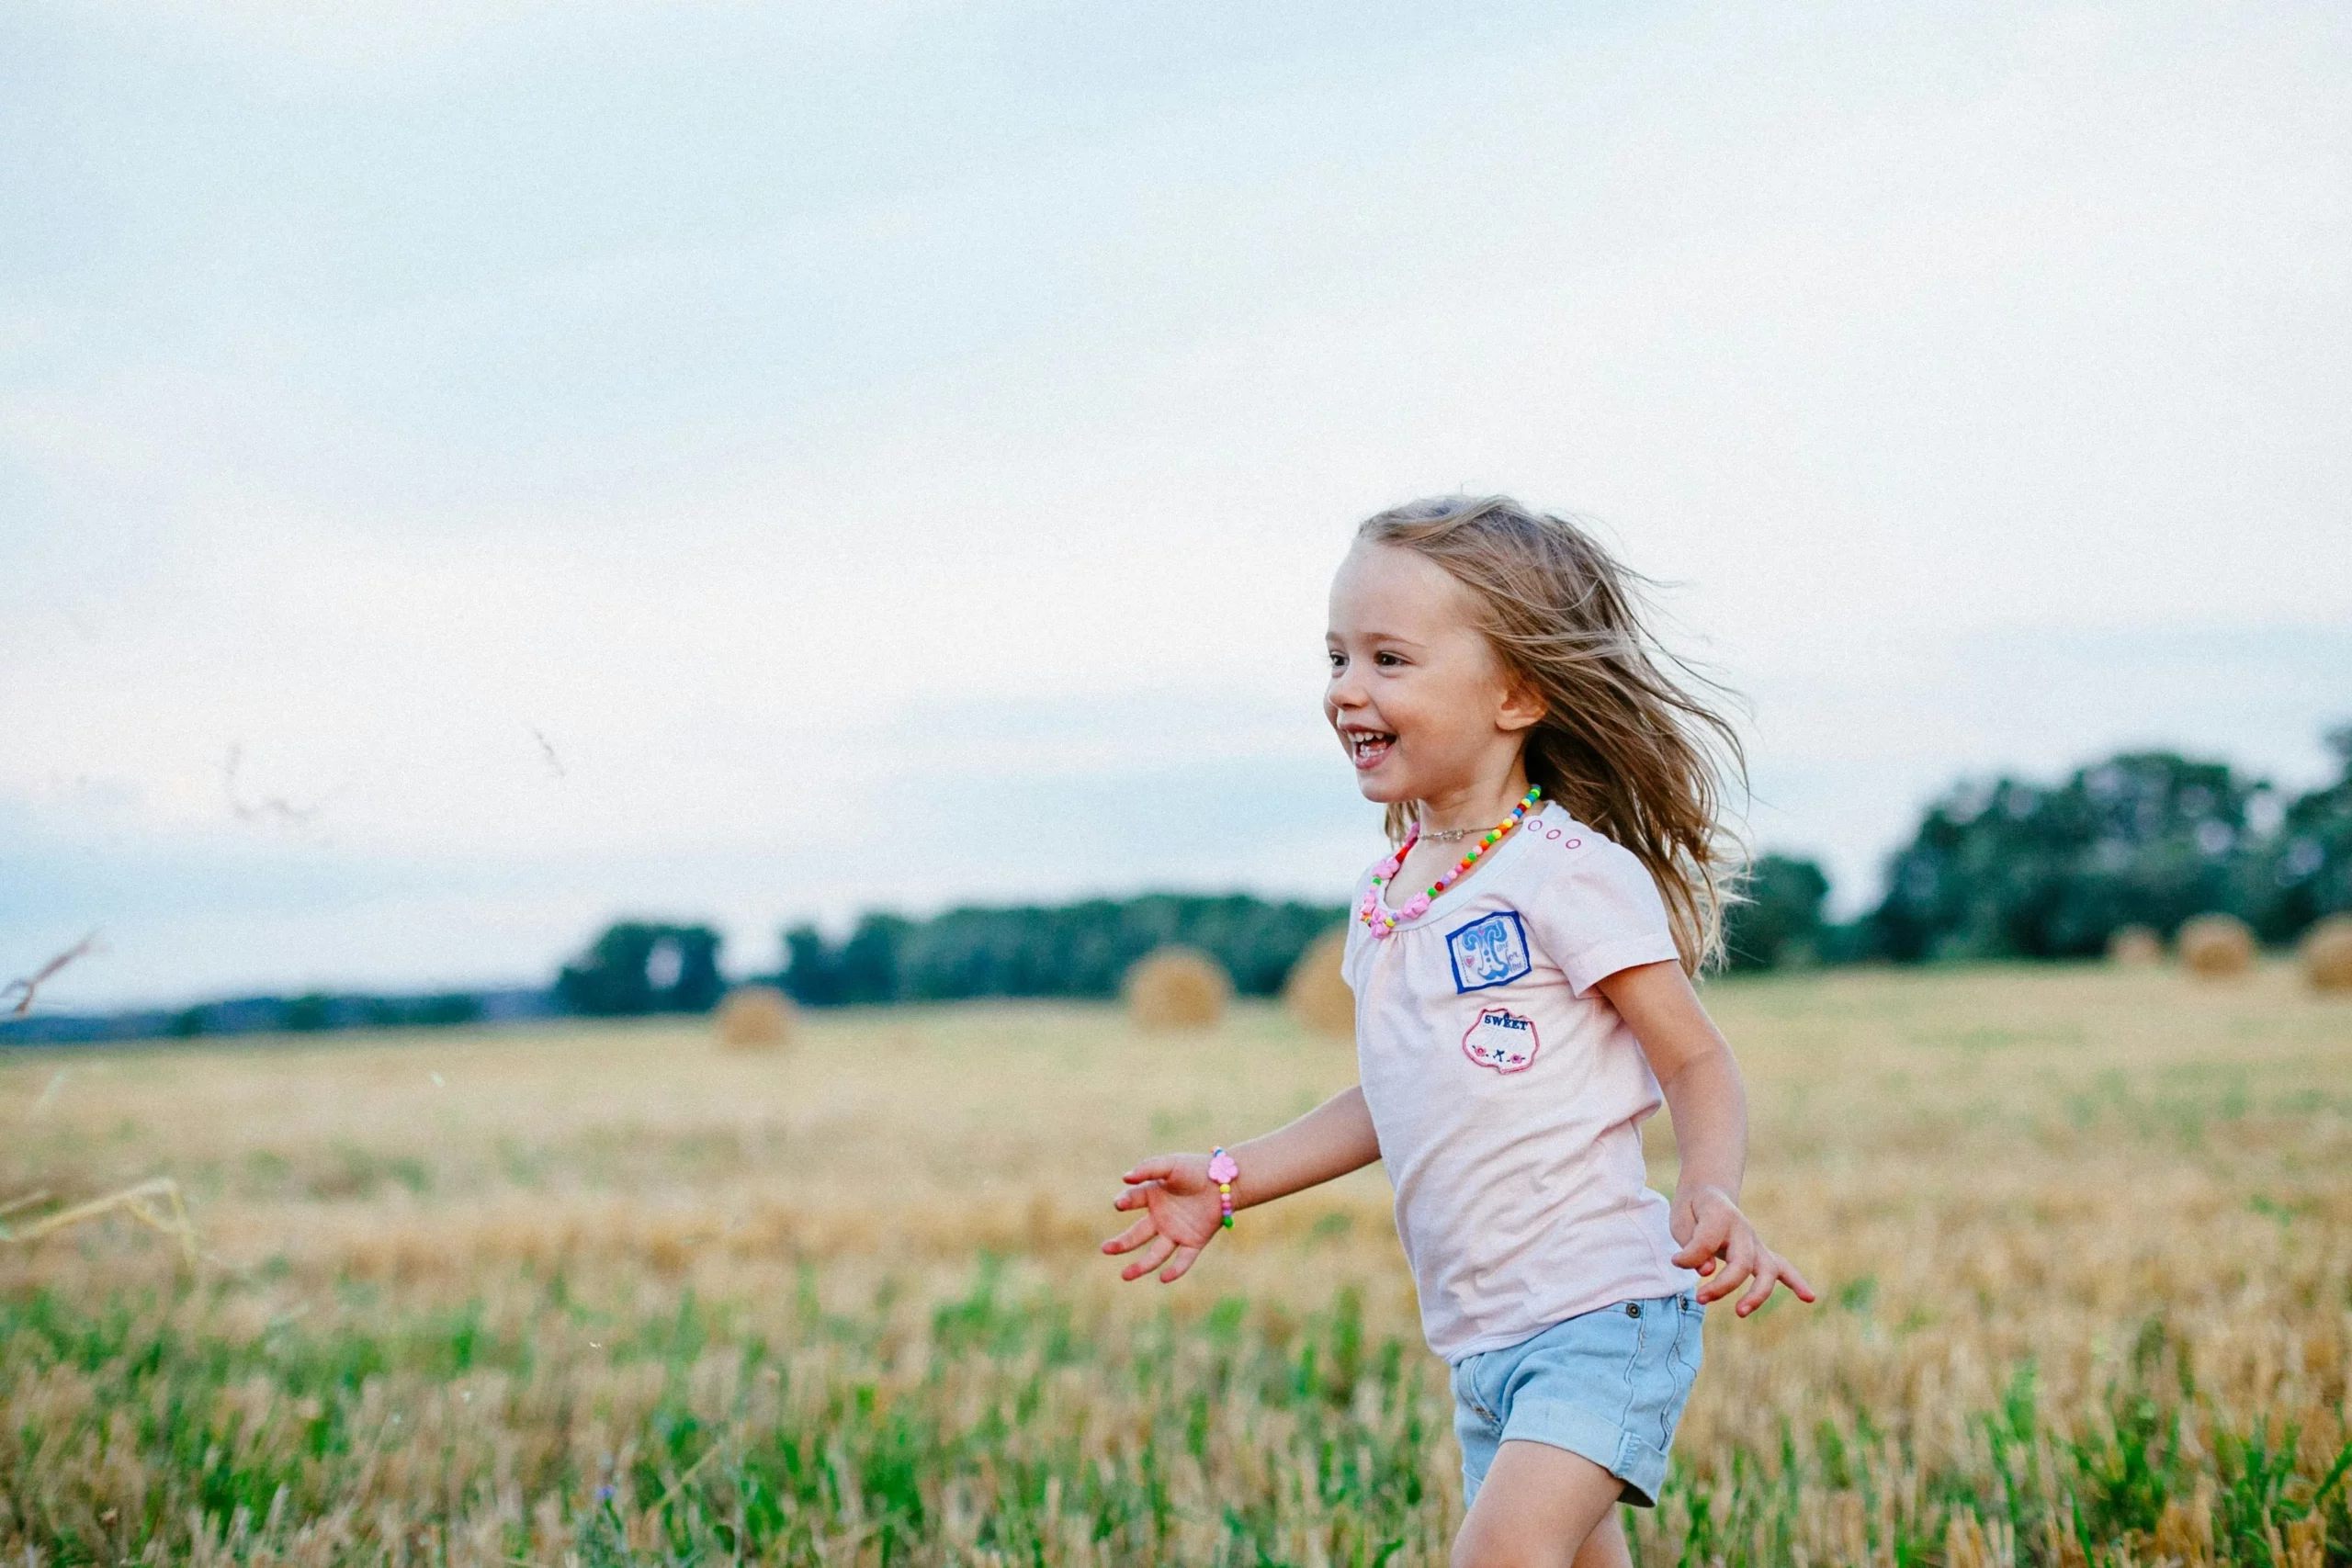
[1631, 740]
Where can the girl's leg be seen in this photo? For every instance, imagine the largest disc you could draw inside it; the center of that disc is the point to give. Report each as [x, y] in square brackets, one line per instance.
[1605, 1547]
[1542, 1508]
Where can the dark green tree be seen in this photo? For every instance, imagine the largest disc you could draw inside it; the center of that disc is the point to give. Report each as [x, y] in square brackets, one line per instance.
[2017, 869]
[308, 1013]
[811, 971]
[2306, 872]
[1779, 920]
[637, 967]
[868, 968]
[445, 1011]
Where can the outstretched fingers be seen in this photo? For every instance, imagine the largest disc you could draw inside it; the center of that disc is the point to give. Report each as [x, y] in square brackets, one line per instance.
[1176, 1204]
[1135, 1235]
[1157, 1253]
[1134, 1197]
[1179, 1265]
[1773, 1269]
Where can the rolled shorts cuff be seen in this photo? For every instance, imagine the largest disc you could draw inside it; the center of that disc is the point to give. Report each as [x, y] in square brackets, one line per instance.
[1640, 1465]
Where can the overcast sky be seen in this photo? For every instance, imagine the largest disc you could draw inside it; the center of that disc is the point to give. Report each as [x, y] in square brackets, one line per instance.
[468, 470]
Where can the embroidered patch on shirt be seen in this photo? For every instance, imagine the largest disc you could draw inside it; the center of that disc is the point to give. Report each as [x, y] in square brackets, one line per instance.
[1491, 951]
[1502, 1040]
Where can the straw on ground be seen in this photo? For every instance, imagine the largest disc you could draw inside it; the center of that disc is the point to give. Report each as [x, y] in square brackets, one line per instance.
[2085, 1237]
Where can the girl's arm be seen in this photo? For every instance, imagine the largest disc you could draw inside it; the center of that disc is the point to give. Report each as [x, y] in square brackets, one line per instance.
[1182, 1212]
[1695, 1068]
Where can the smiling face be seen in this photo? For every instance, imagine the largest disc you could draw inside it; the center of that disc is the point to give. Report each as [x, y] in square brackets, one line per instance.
[1425, 709]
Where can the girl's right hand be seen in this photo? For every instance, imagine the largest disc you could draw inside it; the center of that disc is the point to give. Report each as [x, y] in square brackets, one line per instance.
[1181, 1216]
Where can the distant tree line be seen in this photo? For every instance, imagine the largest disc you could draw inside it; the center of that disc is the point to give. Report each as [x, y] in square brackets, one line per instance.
[2005, 868]
[314, 1012]
[2009, 868]
[1067, 950]
[2023, 868]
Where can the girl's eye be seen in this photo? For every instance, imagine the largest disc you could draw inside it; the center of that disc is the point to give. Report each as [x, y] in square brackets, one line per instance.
[1338, 661]
[1386, 661]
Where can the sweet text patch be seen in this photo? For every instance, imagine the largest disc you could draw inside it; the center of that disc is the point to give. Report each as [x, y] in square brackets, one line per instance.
[1502, 1040]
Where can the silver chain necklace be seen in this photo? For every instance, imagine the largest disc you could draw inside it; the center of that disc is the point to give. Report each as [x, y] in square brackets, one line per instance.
[1447, 835]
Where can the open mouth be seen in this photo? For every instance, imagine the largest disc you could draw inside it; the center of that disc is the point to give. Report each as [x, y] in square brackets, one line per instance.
[1367, 748]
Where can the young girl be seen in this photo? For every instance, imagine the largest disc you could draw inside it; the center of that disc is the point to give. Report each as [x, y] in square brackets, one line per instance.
[1521, 968]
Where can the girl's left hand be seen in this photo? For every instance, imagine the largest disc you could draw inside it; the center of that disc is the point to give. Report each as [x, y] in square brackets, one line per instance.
[1724, 1248]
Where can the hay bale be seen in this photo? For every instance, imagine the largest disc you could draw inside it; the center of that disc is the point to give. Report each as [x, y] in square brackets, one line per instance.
[2327, 955]
[2135, 947]
[1177, 988]
[755, 1018]
[1316, 994]
[2216, 947]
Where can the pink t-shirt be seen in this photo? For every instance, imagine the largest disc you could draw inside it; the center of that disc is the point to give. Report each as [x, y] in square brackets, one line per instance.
[1508, 1095]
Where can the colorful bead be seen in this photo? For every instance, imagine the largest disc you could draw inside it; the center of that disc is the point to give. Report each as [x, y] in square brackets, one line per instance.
[1383, 922]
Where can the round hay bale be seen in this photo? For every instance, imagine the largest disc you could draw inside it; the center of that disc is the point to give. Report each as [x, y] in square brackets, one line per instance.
[755, 1018]
[1316, 994]
[1177, 988]
[2327, 955]
[2216, 947]
[2135, 947]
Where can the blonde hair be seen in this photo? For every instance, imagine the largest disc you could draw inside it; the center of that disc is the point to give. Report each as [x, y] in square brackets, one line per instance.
[1629, 741]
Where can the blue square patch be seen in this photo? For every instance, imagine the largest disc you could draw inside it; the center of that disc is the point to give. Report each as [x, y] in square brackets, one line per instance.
[1490, 950]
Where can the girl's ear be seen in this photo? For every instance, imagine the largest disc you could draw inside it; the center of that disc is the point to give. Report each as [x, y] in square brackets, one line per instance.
[1522, 705]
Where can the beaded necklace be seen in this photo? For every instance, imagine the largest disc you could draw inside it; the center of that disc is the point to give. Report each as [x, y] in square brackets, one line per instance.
[1385, 922]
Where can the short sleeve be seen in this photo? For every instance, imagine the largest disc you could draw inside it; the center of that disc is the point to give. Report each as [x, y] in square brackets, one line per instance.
[1598, 912]
[1354, 952]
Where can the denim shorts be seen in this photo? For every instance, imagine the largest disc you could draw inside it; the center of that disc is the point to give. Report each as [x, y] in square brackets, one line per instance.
[1606, 1385]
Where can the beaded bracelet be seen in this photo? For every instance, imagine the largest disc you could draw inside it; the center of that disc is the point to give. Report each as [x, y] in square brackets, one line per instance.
[1222, 1171]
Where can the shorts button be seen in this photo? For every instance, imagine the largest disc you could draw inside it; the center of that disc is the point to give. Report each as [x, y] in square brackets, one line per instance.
[1632, 1309]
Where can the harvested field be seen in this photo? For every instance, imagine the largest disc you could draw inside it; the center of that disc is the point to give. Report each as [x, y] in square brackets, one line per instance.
[611, 1293]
